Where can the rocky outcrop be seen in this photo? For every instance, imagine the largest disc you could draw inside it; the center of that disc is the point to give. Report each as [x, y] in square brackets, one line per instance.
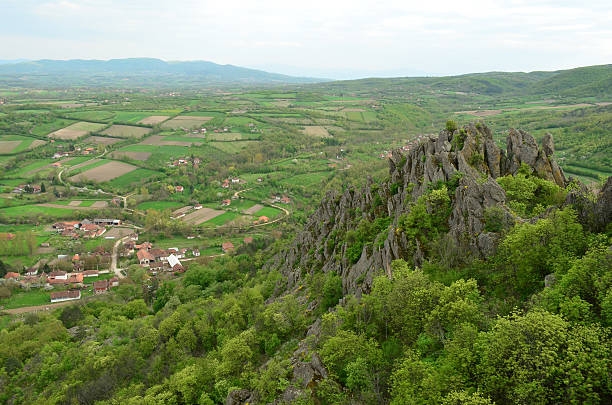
[240, 397]
[467, 160]
[595, 215]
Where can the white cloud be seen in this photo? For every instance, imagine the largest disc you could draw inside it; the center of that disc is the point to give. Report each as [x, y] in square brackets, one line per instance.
[386, 35]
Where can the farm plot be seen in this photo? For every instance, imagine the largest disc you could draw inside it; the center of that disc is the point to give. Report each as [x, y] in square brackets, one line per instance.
[61, 162]
[316, 131]
[269, 212]
[101, 140]
[16, 143]
[158, 205]
[202, 215]
[159, 140]
[106, 172]
[8, 146]
[252, 210]
[76, 130]
[142, 156]
[185, 121]
[225, 136]
[232, 147]
[92, 115]
[153, 119]
[118, 232]
[126, 131]
[136, 176]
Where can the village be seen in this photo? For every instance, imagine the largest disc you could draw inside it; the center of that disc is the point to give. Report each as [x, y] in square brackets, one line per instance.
[73, 276]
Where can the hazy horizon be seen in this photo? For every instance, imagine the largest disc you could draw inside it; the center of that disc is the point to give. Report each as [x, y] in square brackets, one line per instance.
[338, 40]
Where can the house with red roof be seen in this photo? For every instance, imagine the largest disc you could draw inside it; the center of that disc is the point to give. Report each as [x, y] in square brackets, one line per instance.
[227, 247]
[61, 296]
[144, 257]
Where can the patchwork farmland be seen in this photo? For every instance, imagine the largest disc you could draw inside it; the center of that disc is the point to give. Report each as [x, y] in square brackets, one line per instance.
[185, 121]
[76, 130]
[126, 131]
[105, 172]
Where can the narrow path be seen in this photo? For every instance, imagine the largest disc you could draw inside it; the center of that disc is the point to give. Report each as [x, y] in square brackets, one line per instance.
[114, 255]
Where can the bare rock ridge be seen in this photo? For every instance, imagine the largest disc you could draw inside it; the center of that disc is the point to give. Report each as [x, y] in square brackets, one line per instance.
[466, 159]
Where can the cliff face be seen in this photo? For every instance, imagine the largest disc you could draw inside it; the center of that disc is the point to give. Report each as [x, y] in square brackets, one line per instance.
[467, 158]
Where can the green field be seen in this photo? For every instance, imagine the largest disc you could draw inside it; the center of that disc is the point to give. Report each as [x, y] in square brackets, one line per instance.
[269, 212]
[104, 116]
[224, 218]
[225, 136]
[26, 299]
[307, 179]
[232, 147]
[159, 205]
[32, 210]
[137, 176]
[86, 167]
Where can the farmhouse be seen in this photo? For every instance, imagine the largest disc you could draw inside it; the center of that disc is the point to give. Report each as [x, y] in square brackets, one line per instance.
[107, 222]
[285, 200]
[226, 202]
[197, 207]
[58, 275]
[144, 257]
[247, 240]
[60, 296]
[90, 273]
[11, 275]
[144, 245]
[179, 189]
[156, 266]
[195, 252]
[227, 247]
[61, 226]
[159, 254]
[101, 286]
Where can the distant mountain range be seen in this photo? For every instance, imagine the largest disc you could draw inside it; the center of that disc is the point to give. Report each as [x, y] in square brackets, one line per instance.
[156, 73]
[588, 81]
[146, 72]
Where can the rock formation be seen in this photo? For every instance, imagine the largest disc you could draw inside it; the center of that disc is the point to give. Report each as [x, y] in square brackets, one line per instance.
[468, 159]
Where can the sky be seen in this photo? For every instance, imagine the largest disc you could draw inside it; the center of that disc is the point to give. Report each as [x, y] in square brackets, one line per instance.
[340, 39]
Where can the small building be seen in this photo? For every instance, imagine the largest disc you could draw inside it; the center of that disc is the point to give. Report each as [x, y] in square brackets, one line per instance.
[196, 252]
[101, 286]
[227, 247]
[179, 189]
[226, 203]
[197, 207]
[107, 221]
[247, 240]
[69, 295]
[90, 273]
[11, 275]
[58, 275]
[144, 257]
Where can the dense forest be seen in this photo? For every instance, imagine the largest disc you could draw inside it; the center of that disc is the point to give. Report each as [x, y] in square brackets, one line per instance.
[470, 275]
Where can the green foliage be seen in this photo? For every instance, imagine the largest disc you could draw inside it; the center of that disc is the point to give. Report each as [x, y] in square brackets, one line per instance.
[531, 251]
[428, 217]
[366, 233]
[529, 195]
[540, 358]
